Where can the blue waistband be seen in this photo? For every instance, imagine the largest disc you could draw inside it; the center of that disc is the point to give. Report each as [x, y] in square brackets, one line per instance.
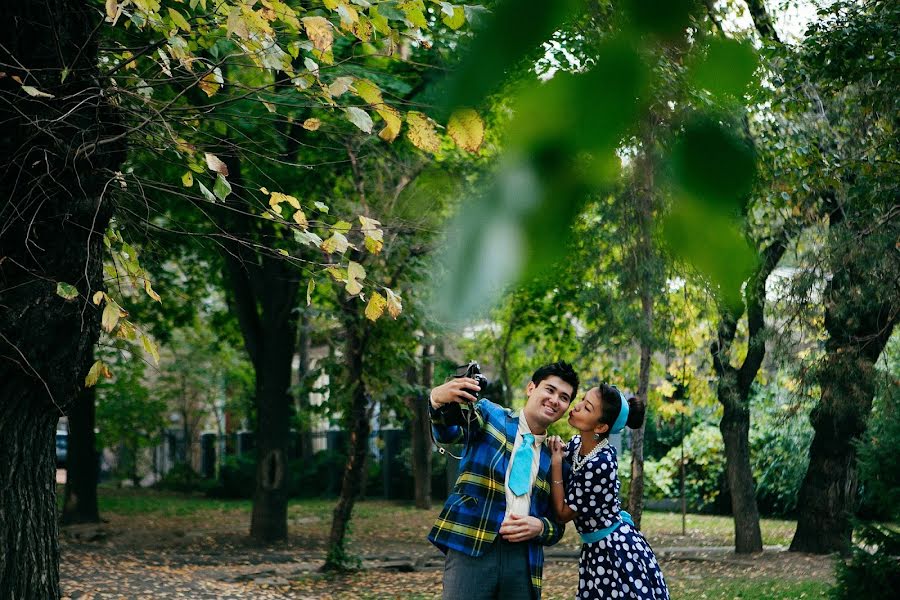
[596, 536]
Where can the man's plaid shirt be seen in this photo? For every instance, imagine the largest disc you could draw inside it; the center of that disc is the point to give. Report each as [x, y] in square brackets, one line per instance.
[471, 517]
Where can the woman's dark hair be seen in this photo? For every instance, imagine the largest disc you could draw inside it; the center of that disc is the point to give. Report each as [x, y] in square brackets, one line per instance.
[561, 369]
[611, 404]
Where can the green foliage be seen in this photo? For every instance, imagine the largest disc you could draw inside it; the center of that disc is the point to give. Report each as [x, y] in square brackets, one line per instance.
[182, 478]
[237, 478]
[878, 459]
[873, 570]
[704, 462]
[780, 437]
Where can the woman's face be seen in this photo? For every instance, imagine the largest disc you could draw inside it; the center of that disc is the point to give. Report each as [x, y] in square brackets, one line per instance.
[585, 414]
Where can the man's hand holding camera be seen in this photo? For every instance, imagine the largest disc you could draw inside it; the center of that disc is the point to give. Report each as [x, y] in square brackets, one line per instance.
[460, 390]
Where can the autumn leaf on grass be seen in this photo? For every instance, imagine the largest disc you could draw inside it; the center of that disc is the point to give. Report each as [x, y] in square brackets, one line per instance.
[375, 307]
[421, 132]
[467, 129]
[355, 274]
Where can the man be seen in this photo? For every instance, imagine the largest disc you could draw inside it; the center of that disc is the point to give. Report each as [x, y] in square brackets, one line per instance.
[495, 523]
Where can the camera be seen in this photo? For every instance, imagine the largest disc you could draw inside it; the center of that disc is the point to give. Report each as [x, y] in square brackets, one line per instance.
[473, 371]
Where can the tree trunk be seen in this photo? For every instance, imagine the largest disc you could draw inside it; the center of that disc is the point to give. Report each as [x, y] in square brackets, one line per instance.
[358, 425]
[733, 393]
[263, 292]
[53, 213]
[735, 428]
[644, 265]
[421, 434]
[636, 490]
[273, 401]
[828, 496]
[80, 504]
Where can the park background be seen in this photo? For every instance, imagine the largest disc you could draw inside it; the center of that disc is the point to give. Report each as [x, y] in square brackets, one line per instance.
[242, 239]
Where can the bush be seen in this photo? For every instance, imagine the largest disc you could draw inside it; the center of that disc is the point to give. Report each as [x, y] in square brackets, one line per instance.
[779, 453]
[879, 461]
[237, 478]
[873, 570]
[704, 473]
[182, 478]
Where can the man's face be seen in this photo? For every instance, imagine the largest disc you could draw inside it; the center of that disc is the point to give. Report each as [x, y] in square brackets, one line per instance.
[547, 402]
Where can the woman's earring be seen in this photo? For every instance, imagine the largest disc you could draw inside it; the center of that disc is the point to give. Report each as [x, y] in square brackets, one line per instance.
[596, 437]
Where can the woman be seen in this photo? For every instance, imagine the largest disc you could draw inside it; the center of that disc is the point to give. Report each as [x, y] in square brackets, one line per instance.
[616, 561]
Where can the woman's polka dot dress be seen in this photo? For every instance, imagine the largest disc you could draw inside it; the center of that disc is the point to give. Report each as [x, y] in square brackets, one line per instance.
[621, 565]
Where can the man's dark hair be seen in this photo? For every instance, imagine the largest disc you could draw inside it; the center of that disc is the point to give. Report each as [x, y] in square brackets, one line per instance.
[561, 369]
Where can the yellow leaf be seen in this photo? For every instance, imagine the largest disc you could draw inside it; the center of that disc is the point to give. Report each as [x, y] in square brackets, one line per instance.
[179, 20]
[215, 164]
[210, 83]
[394, 304]
[187, 180]
[355, 274]
[336, 243]
[457, 20]
[375, 307]
[150, 347]
[110, 316]
[94, 373]
[276, 198]
[111, 8]
[467, 129]
[342, 227]
[318, 29]
[283, 252]
[312, 124]
[392, 123]
[368, 91]
[421, 132]
[374, 236]
[149, 289]
[340, 85]
[98, 298]
[237, 25]
[309, 290]
[300, 219]
[336, 273]
[33, 91]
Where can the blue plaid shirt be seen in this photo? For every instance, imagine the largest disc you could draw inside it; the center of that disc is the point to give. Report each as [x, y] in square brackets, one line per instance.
[471, 517]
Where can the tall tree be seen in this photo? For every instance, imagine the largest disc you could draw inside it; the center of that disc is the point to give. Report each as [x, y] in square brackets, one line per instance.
[54, 209]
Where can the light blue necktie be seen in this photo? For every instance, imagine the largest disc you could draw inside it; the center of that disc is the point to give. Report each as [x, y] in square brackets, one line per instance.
[520, 472]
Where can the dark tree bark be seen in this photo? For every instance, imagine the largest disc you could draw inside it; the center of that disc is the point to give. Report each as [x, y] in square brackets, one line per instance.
[263, 292]
[859, 319]
[357, 423]
[762, 21]
[53, 212]
[733, 392]
[80, 503]
[421, 434]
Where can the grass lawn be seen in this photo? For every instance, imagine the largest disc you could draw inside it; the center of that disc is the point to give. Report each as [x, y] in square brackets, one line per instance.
[185, 532]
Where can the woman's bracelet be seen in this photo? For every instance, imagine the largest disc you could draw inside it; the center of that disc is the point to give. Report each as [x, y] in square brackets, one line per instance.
[560, 481]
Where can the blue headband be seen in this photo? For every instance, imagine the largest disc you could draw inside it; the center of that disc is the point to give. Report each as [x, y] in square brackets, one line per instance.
[619, 425]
